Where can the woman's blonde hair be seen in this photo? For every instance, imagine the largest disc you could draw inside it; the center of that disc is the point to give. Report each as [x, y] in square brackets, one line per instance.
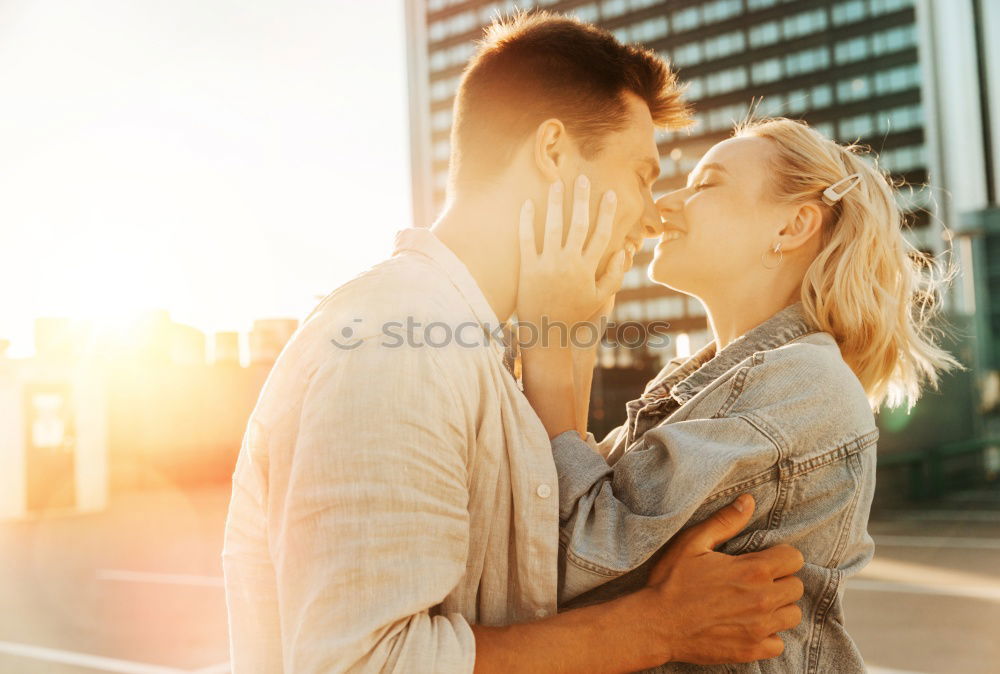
[868, 286]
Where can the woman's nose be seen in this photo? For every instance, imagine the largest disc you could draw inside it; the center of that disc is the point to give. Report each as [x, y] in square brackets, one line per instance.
[671, 203]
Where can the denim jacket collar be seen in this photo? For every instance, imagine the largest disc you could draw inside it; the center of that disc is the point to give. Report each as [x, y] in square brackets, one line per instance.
[423, 241]
[705, 366]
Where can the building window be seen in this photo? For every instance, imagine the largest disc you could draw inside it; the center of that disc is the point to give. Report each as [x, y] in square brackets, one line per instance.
[896, 79]
[903, 159]
[726, 117]
[893, 40]
[761, 4]
[821, 96]
[443, 89]
[649, 30]
[825, 128]
[442, 59]
[441, 120]
[613, 8]
[724, 45]
[686, 19]
[725, 81]
[807, 61]
[442, 150]
[766, 71]
[668, 167]
[901, 119]
[772, 105]
[853, 128]
[798, 101]
[586, 13]
[764, 34]
[695, 88]
[804, 23]
[720, 10]
[849, 12]
[688, 54]
[853, 89]
[851, 50]
[886, 6]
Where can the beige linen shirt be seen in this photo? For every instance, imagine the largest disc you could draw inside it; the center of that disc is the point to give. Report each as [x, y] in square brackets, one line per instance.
[393, 485]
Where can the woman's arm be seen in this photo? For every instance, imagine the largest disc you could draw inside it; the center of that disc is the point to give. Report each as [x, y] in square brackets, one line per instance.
[549, 387]
[614, 520]
[558, 291]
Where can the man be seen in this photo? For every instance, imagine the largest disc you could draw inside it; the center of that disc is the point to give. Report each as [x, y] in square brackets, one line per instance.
[395, 505]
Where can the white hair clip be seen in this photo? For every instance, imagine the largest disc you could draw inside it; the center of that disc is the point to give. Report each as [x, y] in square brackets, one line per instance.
[832, 196]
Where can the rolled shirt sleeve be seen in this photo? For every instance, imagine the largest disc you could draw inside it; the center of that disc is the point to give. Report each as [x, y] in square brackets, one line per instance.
[372, 529]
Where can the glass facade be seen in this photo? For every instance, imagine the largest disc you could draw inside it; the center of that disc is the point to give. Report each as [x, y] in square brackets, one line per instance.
[849, 67]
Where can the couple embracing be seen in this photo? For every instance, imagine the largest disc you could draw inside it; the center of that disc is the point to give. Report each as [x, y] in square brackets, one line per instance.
[419, 508]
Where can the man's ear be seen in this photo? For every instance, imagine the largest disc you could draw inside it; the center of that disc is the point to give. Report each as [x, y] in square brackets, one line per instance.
[806, 221]
[549, 148]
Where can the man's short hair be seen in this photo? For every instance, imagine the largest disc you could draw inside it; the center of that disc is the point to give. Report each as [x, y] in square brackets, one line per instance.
[536, 66]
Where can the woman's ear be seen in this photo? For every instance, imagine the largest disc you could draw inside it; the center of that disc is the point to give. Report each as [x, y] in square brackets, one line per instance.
[549, 148]
[807, 220]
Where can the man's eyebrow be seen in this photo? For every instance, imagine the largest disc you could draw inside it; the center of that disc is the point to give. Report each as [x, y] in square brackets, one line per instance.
[707, 167]
[654, 169]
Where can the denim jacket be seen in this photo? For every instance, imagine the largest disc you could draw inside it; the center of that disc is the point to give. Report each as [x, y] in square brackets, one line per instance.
[777, 413]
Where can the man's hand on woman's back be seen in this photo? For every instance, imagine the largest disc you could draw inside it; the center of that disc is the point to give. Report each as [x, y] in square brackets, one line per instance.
[714, 608]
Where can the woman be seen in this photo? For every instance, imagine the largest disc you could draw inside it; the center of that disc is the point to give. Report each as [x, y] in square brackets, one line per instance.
[820, 312]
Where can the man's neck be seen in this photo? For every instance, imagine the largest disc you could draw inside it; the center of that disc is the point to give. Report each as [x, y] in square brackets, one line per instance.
[482, 234]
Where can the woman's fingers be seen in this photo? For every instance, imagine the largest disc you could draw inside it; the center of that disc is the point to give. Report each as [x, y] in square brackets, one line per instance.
[526, 232]
[552, 240]
[602, 231]
[611, 280]
[580, 219]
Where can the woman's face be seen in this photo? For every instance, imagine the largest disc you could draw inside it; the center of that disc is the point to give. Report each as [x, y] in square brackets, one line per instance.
[723, 220]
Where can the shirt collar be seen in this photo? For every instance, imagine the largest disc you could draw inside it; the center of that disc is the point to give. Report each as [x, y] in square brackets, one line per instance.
[423, 241]
[705, 366]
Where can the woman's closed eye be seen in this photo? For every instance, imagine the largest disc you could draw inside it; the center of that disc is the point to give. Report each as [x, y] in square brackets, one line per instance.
[701, 186]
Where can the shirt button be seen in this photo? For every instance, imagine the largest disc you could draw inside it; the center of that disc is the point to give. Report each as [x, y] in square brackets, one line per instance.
[541, 613]
[544, 491]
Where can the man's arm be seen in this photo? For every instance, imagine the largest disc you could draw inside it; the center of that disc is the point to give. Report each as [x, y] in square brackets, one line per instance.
[700, 607]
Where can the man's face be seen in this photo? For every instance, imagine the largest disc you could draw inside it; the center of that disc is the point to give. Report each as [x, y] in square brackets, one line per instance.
[629, 165]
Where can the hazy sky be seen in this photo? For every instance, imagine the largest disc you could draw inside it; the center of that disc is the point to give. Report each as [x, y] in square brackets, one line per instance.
[224, 160]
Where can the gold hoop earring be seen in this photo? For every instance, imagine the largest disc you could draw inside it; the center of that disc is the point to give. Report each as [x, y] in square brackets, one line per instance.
[777, 250]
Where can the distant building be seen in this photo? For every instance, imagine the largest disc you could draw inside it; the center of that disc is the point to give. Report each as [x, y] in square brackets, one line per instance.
[268, 337]
[187, 345]
[227, 348]
[60, 338]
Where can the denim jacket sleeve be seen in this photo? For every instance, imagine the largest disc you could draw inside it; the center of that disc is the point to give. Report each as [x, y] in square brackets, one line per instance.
[613, 519]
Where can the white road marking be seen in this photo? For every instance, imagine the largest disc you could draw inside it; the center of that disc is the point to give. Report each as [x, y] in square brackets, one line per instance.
[84, 660]
[159, 578]
[221, 668]
[964, 542]
[941, 515]
[986, 592]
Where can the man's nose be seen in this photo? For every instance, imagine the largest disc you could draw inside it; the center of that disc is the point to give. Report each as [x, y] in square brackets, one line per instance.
[670, 205]
[650, 222]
